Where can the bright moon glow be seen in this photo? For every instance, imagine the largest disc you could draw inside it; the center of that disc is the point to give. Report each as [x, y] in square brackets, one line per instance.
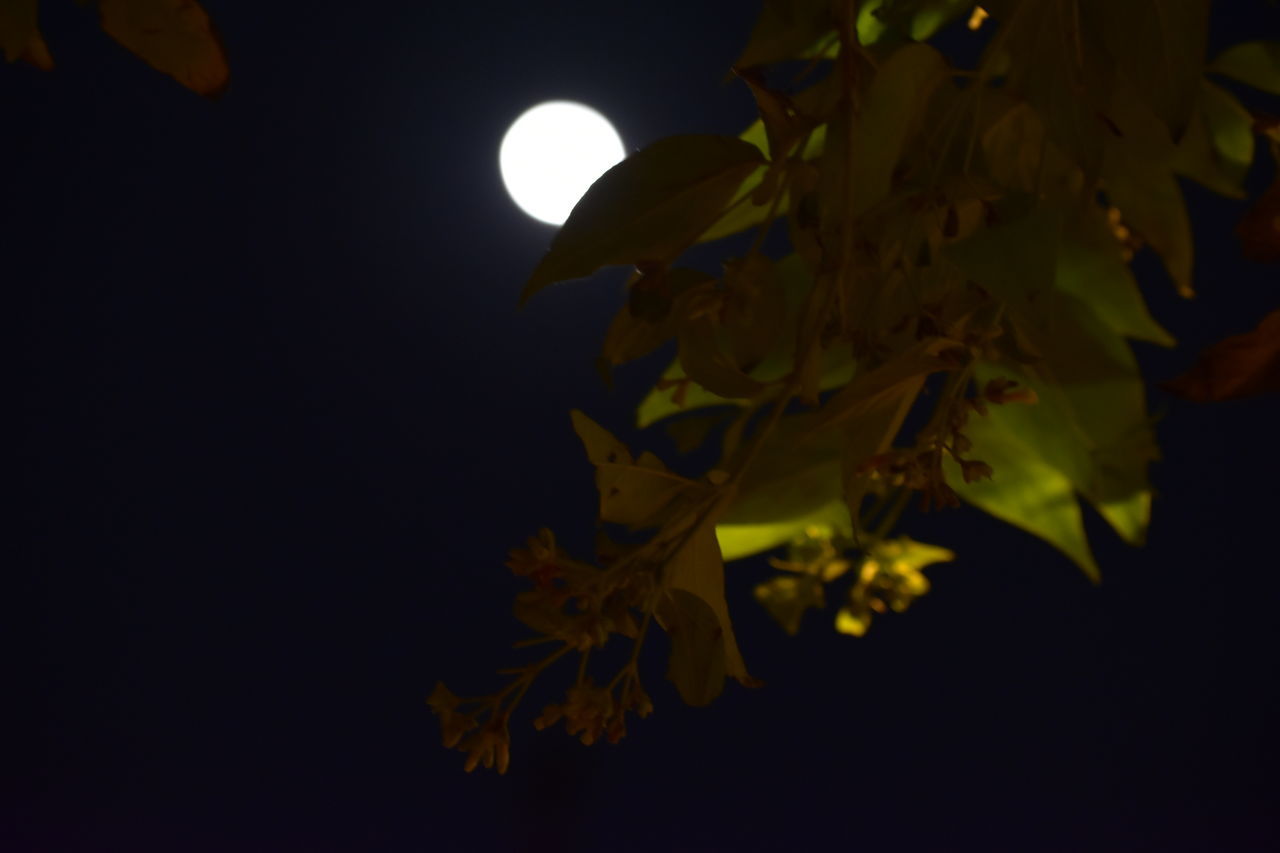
[552, 153]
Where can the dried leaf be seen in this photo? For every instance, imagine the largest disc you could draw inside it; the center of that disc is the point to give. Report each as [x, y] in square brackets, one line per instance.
[1240, 366]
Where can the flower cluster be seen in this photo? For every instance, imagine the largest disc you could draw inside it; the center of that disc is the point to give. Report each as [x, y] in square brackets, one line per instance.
[590, 711]
[490, 745]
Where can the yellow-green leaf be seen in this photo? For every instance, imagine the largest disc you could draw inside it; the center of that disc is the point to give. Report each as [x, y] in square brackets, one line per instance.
[648, 208]
[1256, 63]
[1024, 490]
[172, 36]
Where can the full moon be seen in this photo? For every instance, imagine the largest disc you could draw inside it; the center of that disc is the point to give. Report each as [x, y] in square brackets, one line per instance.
[552, 153]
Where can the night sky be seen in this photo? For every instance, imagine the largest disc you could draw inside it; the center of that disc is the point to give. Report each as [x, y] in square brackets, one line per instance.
[281, 420]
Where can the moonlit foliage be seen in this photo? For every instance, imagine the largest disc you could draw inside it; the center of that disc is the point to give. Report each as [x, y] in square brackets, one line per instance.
[552, 153]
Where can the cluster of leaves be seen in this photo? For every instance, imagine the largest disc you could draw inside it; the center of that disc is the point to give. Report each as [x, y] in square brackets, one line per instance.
[173, 36]
[960, 248]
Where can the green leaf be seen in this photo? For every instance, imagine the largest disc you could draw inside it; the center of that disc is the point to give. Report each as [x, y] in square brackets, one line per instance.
[1256, 63]
[708, 365]
[786, 29]
[787, 597]
[1218, 147]
[634, 492]
[746, 209]
[1024, 490]
[1159, 46]
[1092, 268]
[648, 208]
[831, 518]
[172, 36]
[629, 336]
[891, 112]
[1139, 180]
[703, 647]
[1090, 424]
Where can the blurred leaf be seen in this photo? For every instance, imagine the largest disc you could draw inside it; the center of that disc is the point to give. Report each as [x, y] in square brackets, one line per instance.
[172, 36]
[629, 336]
[648, 208]
[1091, 267]
[1259, 228]
[786, 29]
[1243, 365]
[743, 540]
[20, 34]
[1159, 46]
[787, 597]
[632, 491]
[1061, 69]
[891, 112]
[1138, 175]
[1256, 63]
[1218, 147]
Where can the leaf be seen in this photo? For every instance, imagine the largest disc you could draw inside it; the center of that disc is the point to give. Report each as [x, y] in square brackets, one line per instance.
[629, 336]
[1090, 424]
[888, 382]
[1256, 63]
[746, 208]
[1138, 175]
[1218, 147]
[703, 647]
[705, 363]
[786, 29]
[1024, 491]
[743, 540]
[1060, 68]
[1091, 267]
[1259, 228]
[632, 491]
[787, 597]
[1159, 46]
[891, 112]
[1244, 365]
[20, 34]
[648, 208]
[172, 36]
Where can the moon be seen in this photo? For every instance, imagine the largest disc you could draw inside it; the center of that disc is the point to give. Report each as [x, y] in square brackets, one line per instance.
[552, 153]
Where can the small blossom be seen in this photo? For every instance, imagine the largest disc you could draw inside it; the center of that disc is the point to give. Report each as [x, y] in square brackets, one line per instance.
[490, 746]
[453, 725]
[541, 561]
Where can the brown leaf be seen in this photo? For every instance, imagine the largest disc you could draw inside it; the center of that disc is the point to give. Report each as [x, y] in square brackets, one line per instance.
[20, 34]
[1239, 366]
[1259, 229]
[172, 36]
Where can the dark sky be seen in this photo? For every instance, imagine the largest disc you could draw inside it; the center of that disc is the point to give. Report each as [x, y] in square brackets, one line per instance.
[282, 420]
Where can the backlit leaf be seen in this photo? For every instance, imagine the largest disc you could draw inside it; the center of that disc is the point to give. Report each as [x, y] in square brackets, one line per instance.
[648, 208]
[172, 36]
[1218, 147]
[1024, 491]
[1256, 63]
[743, 540]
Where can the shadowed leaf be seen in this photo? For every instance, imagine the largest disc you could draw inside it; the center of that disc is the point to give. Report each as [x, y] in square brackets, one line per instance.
[1239, 366]
[172, 36]
[648, 208]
